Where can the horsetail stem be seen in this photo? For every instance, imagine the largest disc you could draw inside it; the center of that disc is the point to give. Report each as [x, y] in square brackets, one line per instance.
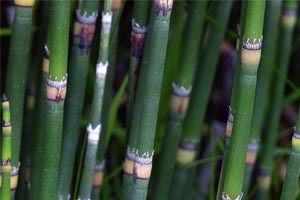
[234, 94]
[94, 127]
[40, 112]
[250, 57]
[138, 35]
[290, 185]
[84, 28]
[288, 20]
[199, 98]
[180, 97]
[262, 93]
[6, 168]
[16, 72]
[138, 162]
[55, 93]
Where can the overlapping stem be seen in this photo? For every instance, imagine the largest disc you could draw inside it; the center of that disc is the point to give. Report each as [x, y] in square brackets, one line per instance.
[199, 98]
[6, 167]
[55, 92]
[84, 28]
[19, 54]
[288, 20]
[234, 94]
[290, 185]
[37, 150]
[94, 127]
[117, 7]
[138, 162]
[262, 93]
[138, 35]
[180, 97]
[250, 57]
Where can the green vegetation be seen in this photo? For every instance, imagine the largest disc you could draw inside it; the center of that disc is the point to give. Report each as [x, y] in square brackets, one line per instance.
[151, 82]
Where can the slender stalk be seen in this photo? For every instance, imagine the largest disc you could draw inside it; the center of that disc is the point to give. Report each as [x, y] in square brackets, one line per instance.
[94, 127]
[138, 162]
[55, 93]
[234, 95]
[288, 20]
[40, 112]
[138, 35]
[83, 34]
[117, 7]
[290, 185]
[262, 93]
[19, 54]
[250, 57]
[177, 23]
[199, 98]
[6, 168]
[179, 100]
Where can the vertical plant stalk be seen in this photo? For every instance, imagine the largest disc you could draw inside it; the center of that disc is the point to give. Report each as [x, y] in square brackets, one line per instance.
[288, 21]
[83, 34]
[138, 36]
[37, 150]
[94, 127]
[262, 94]
[19, 54]
[117, 7]
[202, 85]
[177, 23]
[291, 181]
[138, 161]
[250, 57]
[234, 94]
[6, 168]
[55, 93]
[179, 101]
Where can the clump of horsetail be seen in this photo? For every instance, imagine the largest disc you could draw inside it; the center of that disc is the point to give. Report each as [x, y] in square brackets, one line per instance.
[179, 101]
[288, 20]
[94, 127]
[138, 161]
[250, 57]
[83, 34]
[40, 112]
[55, 92]
[291, 181]
[19, 54]
[202, 85]
[6, 168]
[138, 35]
[262, 93]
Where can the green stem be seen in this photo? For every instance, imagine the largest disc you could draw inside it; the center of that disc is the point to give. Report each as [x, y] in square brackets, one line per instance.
[19, 52]
[288, 19]
[290, 185]
[83, 34]
[262, 94]
[250, 57]
[138, 162]
[179, 100]
[199, 98]
[94, 127]
[6, 168]
[55, 92]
